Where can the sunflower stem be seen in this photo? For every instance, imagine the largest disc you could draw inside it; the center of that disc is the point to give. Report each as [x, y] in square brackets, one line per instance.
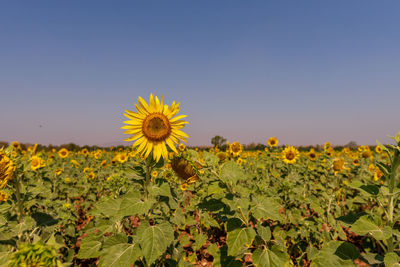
[19, 200]
[148, 176]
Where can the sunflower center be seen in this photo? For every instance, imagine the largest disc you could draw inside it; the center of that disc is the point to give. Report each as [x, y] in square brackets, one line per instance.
[290, 155]
[156, 127]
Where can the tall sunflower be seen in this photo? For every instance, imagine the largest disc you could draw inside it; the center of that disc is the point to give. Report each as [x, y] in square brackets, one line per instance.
[154, 125]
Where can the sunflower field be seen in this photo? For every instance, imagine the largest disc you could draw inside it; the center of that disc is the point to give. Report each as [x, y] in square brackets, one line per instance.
[160, 203]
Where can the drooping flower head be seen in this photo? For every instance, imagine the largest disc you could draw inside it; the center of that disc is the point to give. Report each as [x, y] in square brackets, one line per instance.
[154, 126]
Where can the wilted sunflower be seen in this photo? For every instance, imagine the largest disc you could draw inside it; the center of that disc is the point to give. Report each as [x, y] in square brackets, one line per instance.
[6, 169]
[154, 125]
[184, 170]
[63, 153]
[290, 155]
[273, 142]
[235, 149]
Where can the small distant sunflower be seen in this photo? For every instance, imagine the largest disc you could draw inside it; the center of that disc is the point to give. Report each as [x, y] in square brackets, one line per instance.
[16, 145]
[222, 156]
[85, 152]
[63, 153]
[36, 163]
[122, 157]
[182, 147]
[290, 155]
[3, 196]
[235, 149]
[273, 141]
[327, 146]
[154, 125]
[377, 174]
[378, 149]
[371, 167]
[6, 169]
[311, 154]
[91, 175]
[356, 162]
[154, 174]
[58, 171]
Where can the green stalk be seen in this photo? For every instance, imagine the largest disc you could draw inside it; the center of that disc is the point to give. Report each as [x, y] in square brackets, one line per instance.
[148, 176]
[392, 199]
[19, 200]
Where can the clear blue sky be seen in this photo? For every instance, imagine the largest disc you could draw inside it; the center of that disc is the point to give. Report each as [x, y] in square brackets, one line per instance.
[303, 71]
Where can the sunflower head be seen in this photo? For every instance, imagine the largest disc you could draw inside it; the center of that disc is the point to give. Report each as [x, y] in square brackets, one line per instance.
[235, 149]
[34, 255]
[311, 154]
[290, 155]
[338, 165]
[272, 142]
[63, 153]
[185, 170]
[377, 174]
[7, 168]
[154, 126]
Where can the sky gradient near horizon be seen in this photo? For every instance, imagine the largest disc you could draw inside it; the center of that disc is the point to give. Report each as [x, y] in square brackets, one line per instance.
[303, 71]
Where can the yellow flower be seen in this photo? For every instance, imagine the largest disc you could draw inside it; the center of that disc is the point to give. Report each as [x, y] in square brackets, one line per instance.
[184, 169]
[154, 174]
[273, 141]
[338, 165]
[67, 180]
[16, 145]
[311, 154]
[182, 147]
[371, 167]
[327, 146]
[36, 163]
[122, 157]
[235, 149]
[222, 156]
[356, 162]
[7, 169]
[91, 175]
[239, 160]
[290, 155]
[58, 171]
[377, 174]
[75, 163]
[63, 153]
[3, 196]
[378, 149]
[184, 186]
[154, 125]
[103, 163]
[87, 169]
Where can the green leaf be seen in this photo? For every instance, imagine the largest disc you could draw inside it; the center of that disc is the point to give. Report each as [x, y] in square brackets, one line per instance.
[155, 239]
[120, 255]
[264, 232]
[231, 172]
[266, 208]
[364, 226]
[392, 260]
[275, 257]
[239, 239]
[351, 217]
[347, 251]
[327, 257]
[90, 249]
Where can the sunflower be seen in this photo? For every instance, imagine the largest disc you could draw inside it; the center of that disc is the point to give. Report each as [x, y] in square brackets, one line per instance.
[356, 162]
[16, 145]
[63, 153]
[235, 149]
[311, 154]
[273, 142]
[37, 254]
[378, 149]
[122, 157]
[3, 196]
[182, 147]
[6, 169]
[184, 170]
[154, 125]
[36, 163]
[290, 155]
[338, 165]
[377, 174]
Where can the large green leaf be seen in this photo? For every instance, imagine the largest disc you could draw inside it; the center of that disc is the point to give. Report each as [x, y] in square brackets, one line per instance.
[120, 255]
[333, 255]
[90, 249]
[274, 257]
[392, 260]
[231, 172]
[239, 239]
[154, 239]
[266, 208]
[364, 226]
